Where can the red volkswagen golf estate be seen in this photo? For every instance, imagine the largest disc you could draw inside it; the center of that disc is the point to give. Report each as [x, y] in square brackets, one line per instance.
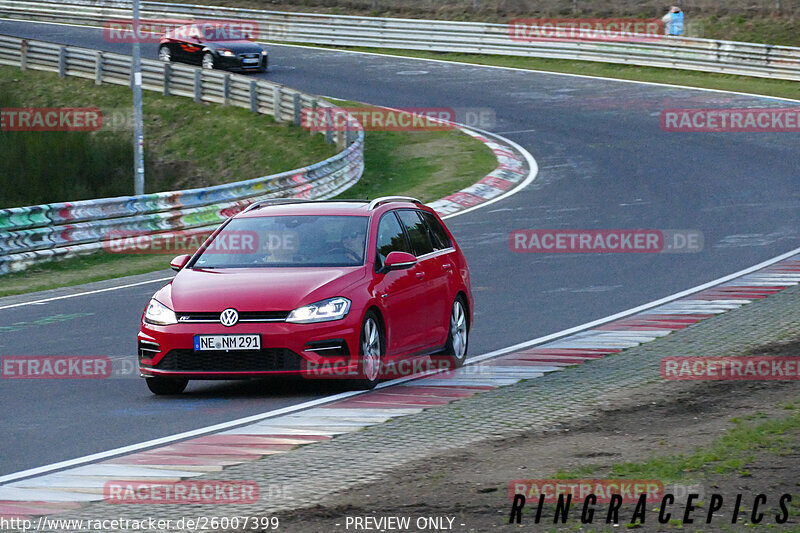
[320, 289]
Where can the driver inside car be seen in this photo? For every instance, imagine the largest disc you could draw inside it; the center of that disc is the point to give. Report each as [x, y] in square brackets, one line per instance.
[353, 242]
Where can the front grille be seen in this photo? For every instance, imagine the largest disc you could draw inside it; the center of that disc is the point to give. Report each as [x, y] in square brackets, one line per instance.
[264, 360]
[250, 60]
[244, 316]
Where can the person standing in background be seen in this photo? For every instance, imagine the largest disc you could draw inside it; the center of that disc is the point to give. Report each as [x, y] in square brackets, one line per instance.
[673, 21]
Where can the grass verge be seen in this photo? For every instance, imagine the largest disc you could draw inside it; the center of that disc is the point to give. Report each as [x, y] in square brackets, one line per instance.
[186, 144]
[425, 164]
[750, 436]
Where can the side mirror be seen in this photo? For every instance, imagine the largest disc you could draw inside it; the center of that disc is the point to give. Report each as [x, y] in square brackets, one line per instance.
[399, 261]
[179, 262]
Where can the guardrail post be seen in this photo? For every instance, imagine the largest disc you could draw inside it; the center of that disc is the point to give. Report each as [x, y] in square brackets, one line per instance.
[198, 85]
[167, 76]
[98, 68]
[341, 139]
[297, 110]
[314, 117]
[226, 89]
[328, 126]
[62, 61]
[23, 54]
[276, 103]
[253, 97]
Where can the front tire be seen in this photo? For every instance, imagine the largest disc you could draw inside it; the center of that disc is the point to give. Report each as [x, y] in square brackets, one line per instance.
[208, 61]
[371, 349]
[166, 386]
[455, 351]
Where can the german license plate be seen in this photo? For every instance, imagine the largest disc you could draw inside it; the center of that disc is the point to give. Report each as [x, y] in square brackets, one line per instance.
[226, 342]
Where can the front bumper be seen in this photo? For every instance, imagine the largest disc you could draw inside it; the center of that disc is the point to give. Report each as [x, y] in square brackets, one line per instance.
[242, 64]
[321, 350]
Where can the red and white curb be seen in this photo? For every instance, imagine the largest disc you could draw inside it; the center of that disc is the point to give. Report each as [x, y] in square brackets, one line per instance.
[68, 489]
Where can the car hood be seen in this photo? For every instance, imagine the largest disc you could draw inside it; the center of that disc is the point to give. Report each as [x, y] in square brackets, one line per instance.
[237, 47]
[256, 289]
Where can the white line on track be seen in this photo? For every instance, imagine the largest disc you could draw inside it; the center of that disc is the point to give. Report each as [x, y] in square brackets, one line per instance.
[201, 431]
[85, 293]
[328, 399]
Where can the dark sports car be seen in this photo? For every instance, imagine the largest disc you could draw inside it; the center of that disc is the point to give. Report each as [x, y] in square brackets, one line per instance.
[214, 46]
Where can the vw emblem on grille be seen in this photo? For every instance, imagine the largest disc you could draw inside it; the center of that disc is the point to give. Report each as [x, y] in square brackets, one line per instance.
[229, 317]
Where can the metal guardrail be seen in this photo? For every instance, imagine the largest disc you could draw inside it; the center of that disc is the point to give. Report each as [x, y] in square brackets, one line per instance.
[708, 55]
[37, 233]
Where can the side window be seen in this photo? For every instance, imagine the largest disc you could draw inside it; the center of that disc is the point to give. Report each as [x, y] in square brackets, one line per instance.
[439, 235]
[417, 232]
[390, 239]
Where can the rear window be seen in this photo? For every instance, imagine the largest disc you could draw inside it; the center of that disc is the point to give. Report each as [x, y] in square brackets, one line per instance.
[439, 237]
[418, 232]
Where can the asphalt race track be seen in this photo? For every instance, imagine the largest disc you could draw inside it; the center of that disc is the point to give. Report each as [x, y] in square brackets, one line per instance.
[604, 163]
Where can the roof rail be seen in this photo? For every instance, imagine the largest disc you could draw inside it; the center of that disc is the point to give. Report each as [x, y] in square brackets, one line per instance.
[274, 201]
[386, 199]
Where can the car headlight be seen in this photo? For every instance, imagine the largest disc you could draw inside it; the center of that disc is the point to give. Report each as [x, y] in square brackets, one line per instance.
[227, 53]
[322, 311]
[160, 314]
[264, 52]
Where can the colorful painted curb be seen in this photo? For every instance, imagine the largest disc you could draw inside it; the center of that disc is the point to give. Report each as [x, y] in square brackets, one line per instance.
[512, 170]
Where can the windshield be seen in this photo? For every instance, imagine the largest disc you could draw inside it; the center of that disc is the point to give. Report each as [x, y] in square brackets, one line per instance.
[288, 241]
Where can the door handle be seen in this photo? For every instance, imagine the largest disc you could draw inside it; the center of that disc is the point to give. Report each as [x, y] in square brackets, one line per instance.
[447, 266]
[420, 275]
